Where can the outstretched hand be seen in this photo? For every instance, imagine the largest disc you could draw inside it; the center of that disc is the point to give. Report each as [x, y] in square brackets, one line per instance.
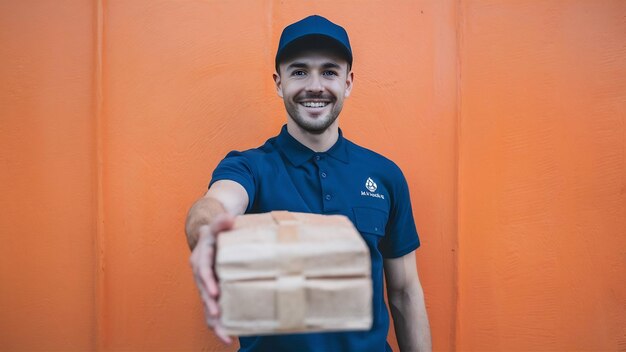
[202, 261]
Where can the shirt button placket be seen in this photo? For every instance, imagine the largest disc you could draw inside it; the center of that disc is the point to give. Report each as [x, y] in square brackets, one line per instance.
[320, 161]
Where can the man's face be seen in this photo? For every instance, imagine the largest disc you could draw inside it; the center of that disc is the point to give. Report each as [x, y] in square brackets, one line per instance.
[313, 86]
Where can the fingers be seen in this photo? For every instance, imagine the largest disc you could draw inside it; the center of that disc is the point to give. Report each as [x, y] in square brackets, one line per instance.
[207, 286]
[221, 223]
[206, 255]
[218, 329]
[221, 333]
[212, 306]
[201, 260]
[212, 285]
[206, 301]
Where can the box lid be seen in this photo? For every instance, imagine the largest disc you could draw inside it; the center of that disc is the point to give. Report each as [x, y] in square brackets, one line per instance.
[272, 245]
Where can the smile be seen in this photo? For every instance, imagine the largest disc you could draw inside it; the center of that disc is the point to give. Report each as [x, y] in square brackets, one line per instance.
[314, 104]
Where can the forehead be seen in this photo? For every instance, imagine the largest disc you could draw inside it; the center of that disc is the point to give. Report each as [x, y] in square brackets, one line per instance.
[314, 57]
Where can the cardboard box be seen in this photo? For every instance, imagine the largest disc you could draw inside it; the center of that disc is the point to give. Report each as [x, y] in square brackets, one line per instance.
[284, 272]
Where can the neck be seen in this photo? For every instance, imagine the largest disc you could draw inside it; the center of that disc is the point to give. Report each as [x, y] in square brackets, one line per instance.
[316, 142]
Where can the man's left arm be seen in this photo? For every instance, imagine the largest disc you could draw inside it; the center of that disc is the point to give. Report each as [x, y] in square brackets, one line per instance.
[406, 300]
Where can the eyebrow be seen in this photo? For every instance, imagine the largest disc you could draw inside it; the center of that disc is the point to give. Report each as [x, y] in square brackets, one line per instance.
[326, 65]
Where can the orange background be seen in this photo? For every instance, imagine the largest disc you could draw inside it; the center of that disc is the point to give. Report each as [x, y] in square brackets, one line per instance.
[507, 118]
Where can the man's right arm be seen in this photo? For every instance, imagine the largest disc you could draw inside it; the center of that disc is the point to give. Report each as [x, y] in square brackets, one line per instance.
[224, 196]
[207, 217]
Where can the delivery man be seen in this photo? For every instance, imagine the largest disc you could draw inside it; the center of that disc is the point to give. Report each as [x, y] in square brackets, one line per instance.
[310, 167]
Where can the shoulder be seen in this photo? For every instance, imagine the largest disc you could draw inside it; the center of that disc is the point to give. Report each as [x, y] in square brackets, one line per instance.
[257, 161]
[246, 166]
[373, 159]
[257, 153]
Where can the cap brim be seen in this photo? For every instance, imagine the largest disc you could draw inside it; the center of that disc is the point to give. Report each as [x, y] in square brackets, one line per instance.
[313, 42]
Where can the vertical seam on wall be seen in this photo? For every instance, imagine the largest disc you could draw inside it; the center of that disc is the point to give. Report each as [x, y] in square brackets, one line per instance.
[268, 39]
[459, 106]
[99, 236]
[277, 119]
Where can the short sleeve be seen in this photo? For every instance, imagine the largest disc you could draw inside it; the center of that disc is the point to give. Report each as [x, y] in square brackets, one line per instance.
[236, 167]
[400, 235]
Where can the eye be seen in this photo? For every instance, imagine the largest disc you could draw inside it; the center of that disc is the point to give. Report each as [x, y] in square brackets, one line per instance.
[298, 73]
[330, 73]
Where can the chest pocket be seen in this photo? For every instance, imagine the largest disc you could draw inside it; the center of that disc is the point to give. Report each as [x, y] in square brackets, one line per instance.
[370, 221]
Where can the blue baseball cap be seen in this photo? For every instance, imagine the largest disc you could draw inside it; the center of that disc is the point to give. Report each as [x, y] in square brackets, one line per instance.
[313, 31]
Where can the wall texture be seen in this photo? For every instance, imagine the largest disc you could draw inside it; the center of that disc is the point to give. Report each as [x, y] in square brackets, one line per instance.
[542, 176]
[47, 176]
[507, 118]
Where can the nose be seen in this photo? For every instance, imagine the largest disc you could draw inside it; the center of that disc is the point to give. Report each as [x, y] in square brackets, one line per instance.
[314, 84]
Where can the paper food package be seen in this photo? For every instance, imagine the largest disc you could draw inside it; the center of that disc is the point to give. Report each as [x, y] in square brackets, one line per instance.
[284, 272]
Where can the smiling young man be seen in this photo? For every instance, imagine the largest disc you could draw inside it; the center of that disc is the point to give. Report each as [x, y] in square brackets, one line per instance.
[310, 167]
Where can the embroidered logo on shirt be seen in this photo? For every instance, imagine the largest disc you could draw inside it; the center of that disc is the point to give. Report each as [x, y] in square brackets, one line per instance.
[371, 187]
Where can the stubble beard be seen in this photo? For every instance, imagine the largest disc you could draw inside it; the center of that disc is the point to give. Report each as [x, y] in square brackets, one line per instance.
[316, 126]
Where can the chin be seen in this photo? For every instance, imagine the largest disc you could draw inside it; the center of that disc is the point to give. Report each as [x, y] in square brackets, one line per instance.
[316, 128]
[312, 124]
[316, 131]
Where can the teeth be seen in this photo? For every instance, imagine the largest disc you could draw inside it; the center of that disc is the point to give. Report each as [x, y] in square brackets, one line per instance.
[310, 104]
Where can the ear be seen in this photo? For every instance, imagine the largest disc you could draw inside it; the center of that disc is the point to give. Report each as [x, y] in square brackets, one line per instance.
[277, 82]
[349, 84]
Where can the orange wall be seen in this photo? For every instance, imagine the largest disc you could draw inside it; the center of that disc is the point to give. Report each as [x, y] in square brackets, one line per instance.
[47, 176]
[542, 202]
[507, 118]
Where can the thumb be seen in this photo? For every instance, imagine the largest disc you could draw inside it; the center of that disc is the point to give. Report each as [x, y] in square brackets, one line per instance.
[222, 222]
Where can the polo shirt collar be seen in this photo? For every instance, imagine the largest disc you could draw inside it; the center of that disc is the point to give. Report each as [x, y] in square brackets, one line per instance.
[297, 153]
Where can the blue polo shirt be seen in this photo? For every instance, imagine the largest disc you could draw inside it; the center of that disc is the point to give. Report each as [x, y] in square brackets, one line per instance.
[368, 188]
